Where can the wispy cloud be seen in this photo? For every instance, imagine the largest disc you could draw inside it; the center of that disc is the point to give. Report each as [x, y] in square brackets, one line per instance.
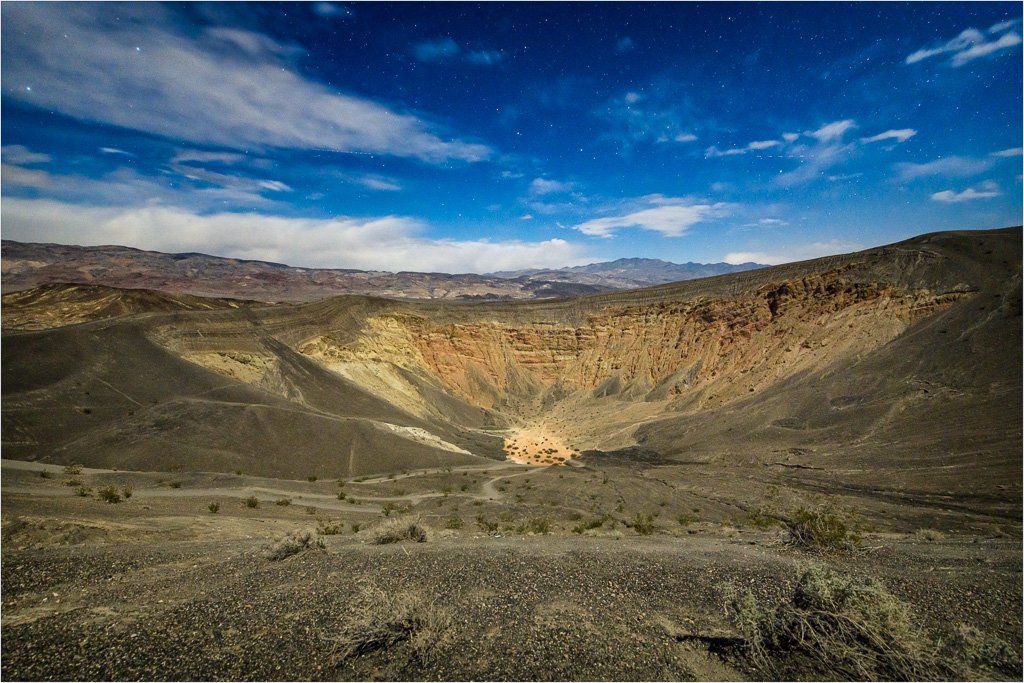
[901, 135]
[951, 167]
[219, 87]
[21, 155]
[637, 118]
[624, 44]
[540, 187]
[751, 147]
[831, 131]
[17, 176]
[436, 50]
[988, 190]
[827, 151]
[388, 243]
[971, 44]
[446, 49]
[186, 155]
[330, 9]
[1013, 152]
[671, 216]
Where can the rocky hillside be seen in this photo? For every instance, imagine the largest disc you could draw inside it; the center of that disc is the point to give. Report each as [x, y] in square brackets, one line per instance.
[895, 370]
[27, 265]
[630, 273]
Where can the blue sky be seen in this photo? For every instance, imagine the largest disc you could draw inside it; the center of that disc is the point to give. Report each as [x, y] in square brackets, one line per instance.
[474, 138]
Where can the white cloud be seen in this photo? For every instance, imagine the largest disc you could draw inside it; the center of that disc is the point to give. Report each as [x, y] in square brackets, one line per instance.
[792, 254]
[685, 137]
[970, 45]
[229, 89]
[671, 217]
[390, 243]
[831, 131]
[751, 147]
[526, 217]
[540, 187]
[989, 189]
[115, 150]
[1003, 25]
[790, 137]
[901, 135]
[953, 167]
[814, 162]
[632, 97]
[22, 155]
[975, 51]
[1013, 152]
[201, 156]
[23, 177]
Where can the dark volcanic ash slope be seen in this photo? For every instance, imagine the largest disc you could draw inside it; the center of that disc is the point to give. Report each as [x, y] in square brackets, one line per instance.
[890, 372]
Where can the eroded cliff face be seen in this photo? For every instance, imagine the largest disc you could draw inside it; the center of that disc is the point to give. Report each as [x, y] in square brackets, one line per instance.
[692, 353]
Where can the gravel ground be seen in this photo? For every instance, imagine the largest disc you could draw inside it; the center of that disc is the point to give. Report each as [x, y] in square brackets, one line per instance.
[523, 608]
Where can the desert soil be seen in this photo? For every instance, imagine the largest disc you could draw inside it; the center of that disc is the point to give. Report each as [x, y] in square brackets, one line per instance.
[158, 587]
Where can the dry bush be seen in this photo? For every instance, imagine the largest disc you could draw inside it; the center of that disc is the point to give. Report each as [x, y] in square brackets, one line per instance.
[929, 535]
[293, 543]
[396, 530]
[822, 529]
[843, 628]
[385, 619]
[109, 494]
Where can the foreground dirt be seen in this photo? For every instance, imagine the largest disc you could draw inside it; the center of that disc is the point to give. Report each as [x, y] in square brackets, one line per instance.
[158, 587]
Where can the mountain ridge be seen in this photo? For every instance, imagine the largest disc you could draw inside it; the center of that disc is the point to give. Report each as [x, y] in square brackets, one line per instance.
[27, 265]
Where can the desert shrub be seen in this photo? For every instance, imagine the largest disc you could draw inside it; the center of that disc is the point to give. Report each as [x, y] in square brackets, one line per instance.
[838, 627]
[762, 519]
[83, 491]
[821, 529]
[484, 523]
[214, 508]
[642, 524]
[310, 510]
[388, 508]
[283, 501]
[396, 530]
[842, 628]
[329, 529]
[384, 620]
[174, 484]
[454, 521]
[355, 528]
[127, 490]
[686, 519]
[293, 543]
[109, 494]
[311, 478]
[72, 470]
[930, 535]
[251, 502]
[341, 495]
[74, 481]
[538, 525]
[45, 474]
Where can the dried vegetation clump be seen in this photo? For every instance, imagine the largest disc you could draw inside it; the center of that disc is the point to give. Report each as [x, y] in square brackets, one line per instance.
[843, 628]
[397, 530]
[293, 543]
[383, 620]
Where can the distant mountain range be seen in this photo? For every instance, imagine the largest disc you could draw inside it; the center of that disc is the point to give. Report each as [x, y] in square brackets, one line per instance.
[630, 273]
[26, 265]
